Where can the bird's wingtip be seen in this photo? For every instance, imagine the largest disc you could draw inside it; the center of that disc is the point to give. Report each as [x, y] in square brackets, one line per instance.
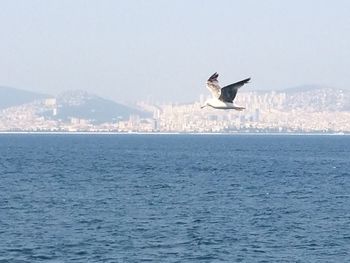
[213, 77]
[245, 81]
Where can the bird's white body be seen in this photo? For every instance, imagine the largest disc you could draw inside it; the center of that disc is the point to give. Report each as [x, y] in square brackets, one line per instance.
[218, 104]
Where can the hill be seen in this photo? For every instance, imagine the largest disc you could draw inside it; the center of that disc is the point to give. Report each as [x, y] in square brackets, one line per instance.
[80, 104]
[10, 97]
[318, 98]
[70, 104]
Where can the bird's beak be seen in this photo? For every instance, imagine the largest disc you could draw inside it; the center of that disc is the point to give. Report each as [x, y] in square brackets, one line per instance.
[203, 106]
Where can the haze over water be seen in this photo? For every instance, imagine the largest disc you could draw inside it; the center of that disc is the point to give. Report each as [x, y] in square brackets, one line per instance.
[165, 51]
[174, 198]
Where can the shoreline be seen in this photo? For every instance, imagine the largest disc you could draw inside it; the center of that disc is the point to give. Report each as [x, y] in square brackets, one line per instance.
[174, 133]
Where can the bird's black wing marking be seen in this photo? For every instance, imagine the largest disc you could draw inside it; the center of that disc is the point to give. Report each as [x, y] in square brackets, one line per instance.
[229, 92]
[214, 77]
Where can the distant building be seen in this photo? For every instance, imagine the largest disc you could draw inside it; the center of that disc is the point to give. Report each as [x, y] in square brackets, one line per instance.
[50, 102]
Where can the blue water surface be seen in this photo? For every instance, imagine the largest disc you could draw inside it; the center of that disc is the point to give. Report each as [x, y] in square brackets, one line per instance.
[174, 198]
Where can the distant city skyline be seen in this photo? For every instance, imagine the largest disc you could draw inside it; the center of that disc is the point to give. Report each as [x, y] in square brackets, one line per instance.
[320, 110]
[134, 50]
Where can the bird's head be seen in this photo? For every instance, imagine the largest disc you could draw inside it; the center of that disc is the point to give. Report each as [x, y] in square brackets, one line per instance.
[206, 103]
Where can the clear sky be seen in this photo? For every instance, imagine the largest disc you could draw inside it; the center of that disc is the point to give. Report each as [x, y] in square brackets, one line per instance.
[137, 49]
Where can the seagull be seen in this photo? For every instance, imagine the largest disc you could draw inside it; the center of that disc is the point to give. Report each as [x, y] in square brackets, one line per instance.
[223, 97]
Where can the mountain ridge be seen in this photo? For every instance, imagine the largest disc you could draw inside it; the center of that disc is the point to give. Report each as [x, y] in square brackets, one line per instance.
[70, 104]
[81, 104]
[10, 97]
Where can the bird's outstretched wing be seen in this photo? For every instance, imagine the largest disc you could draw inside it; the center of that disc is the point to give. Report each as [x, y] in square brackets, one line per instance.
[213, 85]
[229, 92]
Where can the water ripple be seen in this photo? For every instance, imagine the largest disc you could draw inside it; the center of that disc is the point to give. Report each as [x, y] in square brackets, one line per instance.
[174, 198]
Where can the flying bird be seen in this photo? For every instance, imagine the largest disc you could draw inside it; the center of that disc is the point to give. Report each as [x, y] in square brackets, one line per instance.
[223, 97]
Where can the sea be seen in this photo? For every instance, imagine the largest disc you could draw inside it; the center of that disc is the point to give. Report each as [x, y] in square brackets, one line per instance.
[174, 198]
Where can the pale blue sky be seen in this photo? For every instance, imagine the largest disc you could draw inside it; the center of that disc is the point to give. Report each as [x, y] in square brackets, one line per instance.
[131, 50]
